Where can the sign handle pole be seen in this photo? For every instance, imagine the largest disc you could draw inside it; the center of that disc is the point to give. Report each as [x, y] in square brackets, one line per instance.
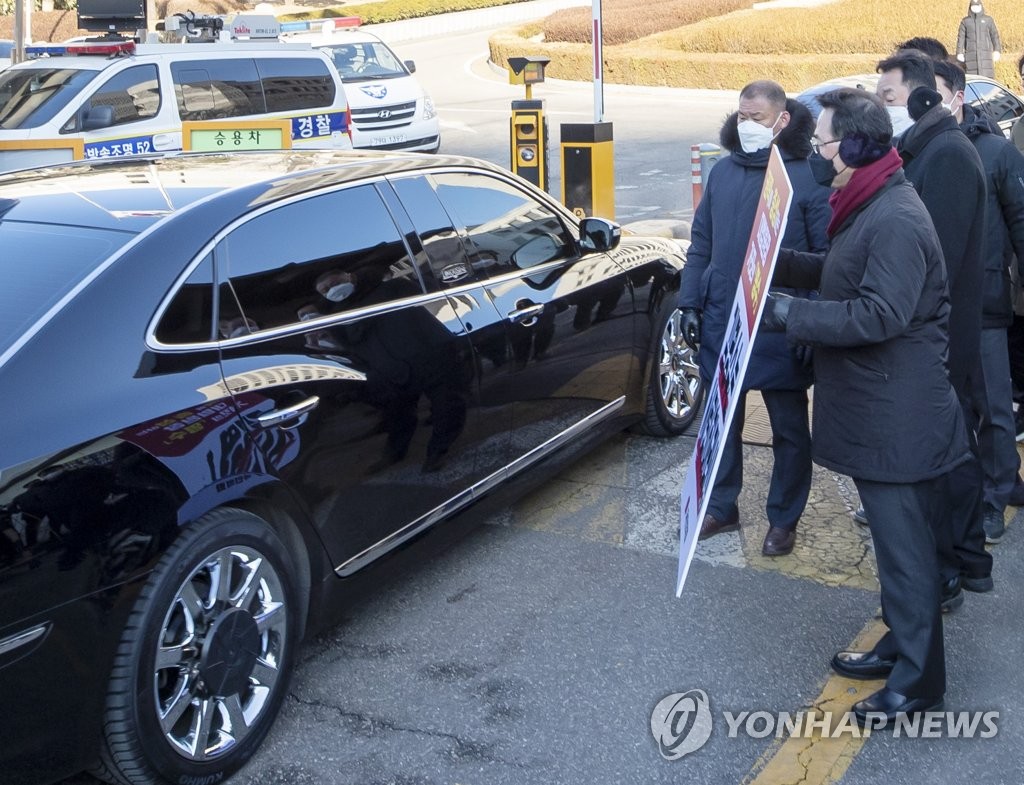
[598, 33]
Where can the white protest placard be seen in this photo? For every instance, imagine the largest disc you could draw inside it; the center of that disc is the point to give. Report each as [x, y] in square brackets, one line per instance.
[766, 234]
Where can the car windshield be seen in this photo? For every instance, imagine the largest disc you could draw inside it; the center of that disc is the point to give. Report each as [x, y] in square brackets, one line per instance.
[30, 97]
[365, 61]
[40, 264]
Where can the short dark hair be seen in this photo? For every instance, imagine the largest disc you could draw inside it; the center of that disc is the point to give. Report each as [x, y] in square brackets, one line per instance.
[767, 89]
[930, 46]
[857, 112]
[952, 74]
[916, 67]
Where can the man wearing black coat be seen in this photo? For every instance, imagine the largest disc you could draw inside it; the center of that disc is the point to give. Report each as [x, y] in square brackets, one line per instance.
[721, 229]
[885, 412]
[1004, 238]
[947, 174]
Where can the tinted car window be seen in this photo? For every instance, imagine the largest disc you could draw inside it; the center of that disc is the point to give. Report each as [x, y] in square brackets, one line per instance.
[189, 317]
[214, 89]
[508, 229]
[436, 230]
[32, 96]
[322, 255]
[133, 94]
[290, 84]
[40, 263]
[998, 103]
[365, 61]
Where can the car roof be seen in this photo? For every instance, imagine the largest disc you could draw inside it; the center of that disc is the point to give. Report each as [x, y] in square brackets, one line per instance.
[134, 193]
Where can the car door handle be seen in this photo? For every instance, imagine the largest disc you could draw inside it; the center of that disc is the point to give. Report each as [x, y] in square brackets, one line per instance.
[279, 417]
[524, 314]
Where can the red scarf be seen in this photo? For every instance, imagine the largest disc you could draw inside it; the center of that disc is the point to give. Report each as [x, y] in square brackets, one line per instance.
[864, 183]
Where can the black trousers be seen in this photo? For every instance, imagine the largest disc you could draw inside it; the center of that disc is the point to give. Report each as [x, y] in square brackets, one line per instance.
[791, 451]
[901, 517]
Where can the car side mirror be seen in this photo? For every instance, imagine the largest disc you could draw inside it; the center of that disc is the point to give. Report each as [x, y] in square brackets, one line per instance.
[411, 65]
[98, 117]
[599, 234]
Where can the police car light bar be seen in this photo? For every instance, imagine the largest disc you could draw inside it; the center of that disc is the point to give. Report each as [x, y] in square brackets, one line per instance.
[320, 25]
[61, 50]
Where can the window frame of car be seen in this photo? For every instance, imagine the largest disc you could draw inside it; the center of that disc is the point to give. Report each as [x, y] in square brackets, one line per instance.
[73, 125]
[297, 327]
[569, 221]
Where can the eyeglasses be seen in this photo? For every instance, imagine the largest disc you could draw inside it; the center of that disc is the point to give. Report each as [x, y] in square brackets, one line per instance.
[817, 144]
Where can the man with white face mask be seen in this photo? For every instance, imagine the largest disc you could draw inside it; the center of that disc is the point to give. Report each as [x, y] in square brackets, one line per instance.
[947, 174]
[1004, 239]
[977, 41]
[721, 228]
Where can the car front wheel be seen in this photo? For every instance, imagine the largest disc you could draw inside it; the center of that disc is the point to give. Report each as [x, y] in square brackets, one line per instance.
[674, 390]
[205, 658]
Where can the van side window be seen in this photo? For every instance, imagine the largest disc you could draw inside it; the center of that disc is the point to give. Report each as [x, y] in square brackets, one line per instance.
[295, 83]
[133, 94]
[217, 89]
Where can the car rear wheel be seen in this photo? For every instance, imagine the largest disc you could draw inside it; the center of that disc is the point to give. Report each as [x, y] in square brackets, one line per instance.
[674, 390]
[205, 658]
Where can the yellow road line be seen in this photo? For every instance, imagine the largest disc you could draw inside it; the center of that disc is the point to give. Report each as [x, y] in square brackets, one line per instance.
[816, 760]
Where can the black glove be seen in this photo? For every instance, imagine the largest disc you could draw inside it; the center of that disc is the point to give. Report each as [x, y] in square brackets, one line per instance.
[776, 311]
[689, 323]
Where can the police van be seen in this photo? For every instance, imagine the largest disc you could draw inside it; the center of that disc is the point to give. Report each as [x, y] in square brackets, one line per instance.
[111, 98]
[390, 109]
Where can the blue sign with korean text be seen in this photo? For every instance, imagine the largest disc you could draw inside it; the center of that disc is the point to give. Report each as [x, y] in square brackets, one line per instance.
[110, 148]
[317, 125]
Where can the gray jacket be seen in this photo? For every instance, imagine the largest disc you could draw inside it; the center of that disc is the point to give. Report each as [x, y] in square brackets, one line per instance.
[976, 40]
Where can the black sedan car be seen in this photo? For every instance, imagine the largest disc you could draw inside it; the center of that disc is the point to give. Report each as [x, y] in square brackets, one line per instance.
[234, 384]
[989, 97]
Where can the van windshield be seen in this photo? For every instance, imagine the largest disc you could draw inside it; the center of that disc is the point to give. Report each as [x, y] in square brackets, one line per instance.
[30, 97]
[365, 61]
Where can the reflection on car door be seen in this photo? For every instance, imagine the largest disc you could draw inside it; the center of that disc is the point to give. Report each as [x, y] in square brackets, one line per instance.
[994, 101]
[552, 328]
[366, 388]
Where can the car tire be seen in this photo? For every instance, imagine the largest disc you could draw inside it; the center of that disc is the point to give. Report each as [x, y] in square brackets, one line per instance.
[203, 663]
[675, 391]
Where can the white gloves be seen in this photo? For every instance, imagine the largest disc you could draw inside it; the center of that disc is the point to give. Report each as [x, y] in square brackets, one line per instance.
[960, 57]
[995, 56]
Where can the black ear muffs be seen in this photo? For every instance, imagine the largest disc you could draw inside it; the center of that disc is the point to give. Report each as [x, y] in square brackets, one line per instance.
[921, 100]
[858, 150]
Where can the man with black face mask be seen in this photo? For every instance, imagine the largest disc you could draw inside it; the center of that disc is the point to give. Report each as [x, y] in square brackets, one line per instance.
[721, 229]
[885, 412]
[945, 170]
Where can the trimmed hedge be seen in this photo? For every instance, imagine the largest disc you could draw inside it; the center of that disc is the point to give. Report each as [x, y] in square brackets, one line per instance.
[396, 10]
[796, 47]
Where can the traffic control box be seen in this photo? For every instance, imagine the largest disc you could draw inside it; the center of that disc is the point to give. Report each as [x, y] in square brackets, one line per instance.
[528, 133]
[588, 169]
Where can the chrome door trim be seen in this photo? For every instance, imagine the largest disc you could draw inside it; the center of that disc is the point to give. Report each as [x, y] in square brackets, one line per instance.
[22, 638]
[476, 491]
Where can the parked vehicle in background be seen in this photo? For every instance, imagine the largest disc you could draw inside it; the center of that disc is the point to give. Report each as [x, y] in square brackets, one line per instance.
[242, 381]
[390, 109]
[994, 100]
[110, 99]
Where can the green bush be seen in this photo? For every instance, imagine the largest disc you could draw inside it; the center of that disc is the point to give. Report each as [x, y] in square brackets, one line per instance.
[395, 10]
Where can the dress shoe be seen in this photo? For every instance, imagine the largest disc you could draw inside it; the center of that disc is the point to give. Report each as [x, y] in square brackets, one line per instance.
[952, 596]
[887, 704]
[712, 525]
[778, 541]
[979, 584]
[865, 665]
[994, 525]
[1017, 494]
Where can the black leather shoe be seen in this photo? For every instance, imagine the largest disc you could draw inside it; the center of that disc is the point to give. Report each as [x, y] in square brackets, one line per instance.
[881, 709]
[865, 665]
[979, 584]
[712, 525]
[952, 595]
[778, 541]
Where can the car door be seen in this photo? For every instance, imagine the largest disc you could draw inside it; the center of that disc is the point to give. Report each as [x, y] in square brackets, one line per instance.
[353, 387]
[562, 353]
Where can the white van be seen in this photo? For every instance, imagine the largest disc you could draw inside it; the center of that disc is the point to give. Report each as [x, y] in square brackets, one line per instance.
[101, 100]
[390, 110]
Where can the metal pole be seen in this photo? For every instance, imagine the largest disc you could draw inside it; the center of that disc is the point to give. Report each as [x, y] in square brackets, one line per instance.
[18, 54]
[598, 33]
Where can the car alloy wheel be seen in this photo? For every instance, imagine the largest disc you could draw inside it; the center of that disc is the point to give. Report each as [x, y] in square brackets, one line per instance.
[205, 657]
[675, 388]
